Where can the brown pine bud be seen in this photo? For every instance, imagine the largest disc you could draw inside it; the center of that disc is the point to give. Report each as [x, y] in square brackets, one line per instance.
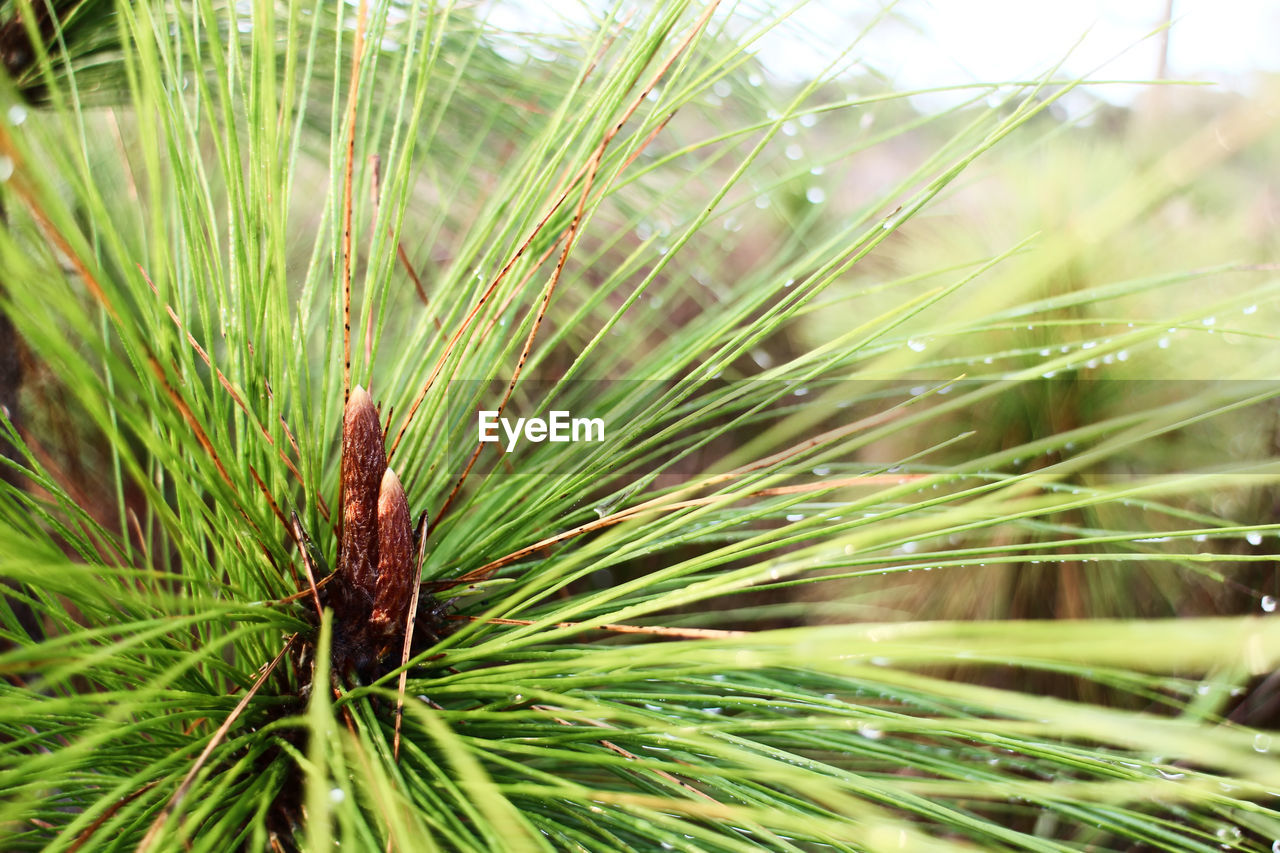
[396, 581]
[364, 460]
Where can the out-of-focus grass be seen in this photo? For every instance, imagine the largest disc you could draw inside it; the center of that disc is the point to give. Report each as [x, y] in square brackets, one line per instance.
[1167, 209]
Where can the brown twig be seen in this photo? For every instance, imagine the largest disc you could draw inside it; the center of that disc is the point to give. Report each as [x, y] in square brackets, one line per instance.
[515, 291]
[142, 540]
[348, 190]
[266, 493]
[300, 536]
[107, 814]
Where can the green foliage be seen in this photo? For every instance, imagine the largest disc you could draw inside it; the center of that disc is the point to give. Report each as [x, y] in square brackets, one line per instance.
[700, 633]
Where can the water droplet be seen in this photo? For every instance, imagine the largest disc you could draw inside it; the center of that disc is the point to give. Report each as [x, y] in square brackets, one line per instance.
[722, 88]
[1209, 321]
[866, 121]
[1088, 345]
[1268, 604]
[1200, 537]
[6, 167]
[1253, 537]
[1261, 742]
[916, 345]
[1123, 355]
[794, 152]
[1163, 343]
[988, 360]
[1045, 351]
[808, 120]
[754, 79]
[789, 128]
[1252, 309]
[762, 201]
[815, 195]
[800, 392]
[17, 114]
[880, 661]
[870, 732]
[910, 547]
[337, 795]
[789, 282]
[795, 516]
[817, 170]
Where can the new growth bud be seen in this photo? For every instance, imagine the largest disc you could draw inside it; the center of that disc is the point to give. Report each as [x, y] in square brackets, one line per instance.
[364, 460]
[396, 581]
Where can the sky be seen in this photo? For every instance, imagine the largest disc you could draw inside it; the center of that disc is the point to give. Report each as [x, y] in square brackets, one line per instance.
[947, 42]
[956, 41]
